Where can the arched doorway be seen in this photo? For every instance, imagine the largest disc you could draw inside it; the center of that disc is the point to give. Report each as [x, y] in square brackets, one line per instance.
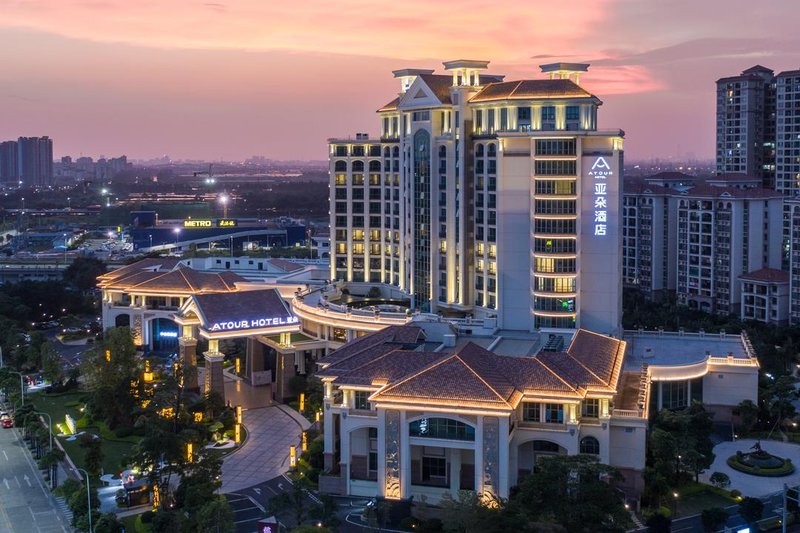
[531, 453]
[123, 320]
[164, 335]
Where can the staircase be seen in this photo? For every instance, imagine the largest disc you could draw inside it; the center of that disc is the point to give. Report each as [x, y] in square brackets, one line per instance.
[643, 381]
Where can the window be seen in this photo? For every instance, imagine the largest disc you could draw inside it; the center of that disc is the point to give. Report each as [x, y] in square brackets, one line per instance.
[590, 408]
[441, 428]
[434, 468]
[362, 400]
[524, 113]
[373, 450]
[531, 412]
[590, 445]
[573, 112]
[554, 413]
[548, 113]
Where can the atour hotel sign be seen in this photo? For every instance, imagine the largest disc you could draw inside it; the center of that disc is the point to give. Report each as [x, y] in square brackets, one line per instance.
[599, 173]
[263, 322]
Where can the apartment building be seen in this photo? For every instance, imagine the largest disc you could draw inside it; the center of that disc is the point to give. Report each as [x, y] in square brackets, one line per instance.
[485, 198]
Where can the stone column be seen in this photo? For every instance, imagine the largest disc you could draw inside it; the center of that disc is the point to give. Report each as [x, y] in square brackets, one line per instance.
[479, 456]
[329, 437]
[214, 380]
[187, 353]
[455, 471]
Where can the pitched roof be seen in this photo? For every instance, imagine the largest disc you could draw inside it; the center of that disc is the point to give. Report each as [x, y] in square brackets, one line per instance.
[439, 84]
[183, 280]
[222, 307]
[151, 264]
[286, 266]
[768, 275]
[391, 106]
[530, 90]
[473, 376]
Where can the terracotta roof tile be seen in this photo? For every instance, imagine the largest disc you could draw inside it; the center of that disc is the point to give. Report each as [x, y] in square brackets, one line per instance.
[439, 84]
[769, 275]
[530, 90]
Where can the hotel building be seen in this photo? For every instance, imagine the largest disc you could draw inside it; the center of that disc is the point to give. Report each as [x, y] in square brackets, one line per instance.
[410, 413]
[485, 198]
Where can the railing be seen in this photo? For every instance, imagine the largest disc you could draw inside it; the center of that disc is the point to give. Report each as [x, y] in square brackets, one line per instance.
[735, 361]
[362, 412]
[627, 413]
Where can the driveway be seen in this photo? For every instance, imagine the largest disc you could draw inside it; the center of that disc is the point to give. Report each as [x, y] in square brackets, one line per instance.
[265, 454]
[753, 485]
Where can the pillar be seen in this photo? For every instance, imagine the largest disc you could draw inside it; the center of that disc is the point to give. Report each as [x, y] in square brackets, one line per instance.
[479, 456]
[660, 396]
[328, 436]
[455, 471]
[503, 458]
[214, 380]
[405, 458]
[187, 352]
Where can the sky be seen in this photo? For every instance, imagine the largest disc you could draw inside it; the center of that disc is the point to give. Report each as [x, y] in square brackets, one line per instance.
[230, 79]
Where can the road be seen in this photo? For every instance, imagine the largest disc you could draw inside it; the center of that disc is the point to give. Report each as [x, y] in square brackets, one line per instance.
[26, 505]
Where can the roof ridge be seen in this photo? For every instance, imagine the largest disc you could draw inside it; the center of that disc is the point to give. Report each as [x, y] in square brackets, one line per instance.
[514, 90]
[189, 283]
[562, 380]
[504, 400]
[417, 373]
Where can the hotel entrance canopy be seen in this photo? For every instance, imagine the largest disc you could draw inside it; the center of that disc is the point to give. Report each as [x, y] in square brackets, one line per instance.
[238, 314]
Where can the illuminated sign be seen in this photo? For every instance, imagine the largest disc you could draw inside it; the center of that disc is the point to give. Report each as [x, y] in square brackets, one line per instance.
[208, 223]
[192, 224]
[168, 334]
[292, 456]
[600, 172]
[255, 323]
[267, 526]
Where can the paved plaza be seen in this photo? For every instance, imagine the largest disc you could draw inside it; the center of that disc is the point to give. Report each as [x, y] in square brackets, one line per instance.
[265, 455]
[754, 486]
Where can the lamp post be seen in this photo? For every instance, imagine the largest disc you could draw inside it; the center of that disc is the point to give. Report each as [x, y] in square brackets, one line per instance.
[88, 497]
[177, 232]
[65, 248]
[224, 201]
[49, 426]
[151, 240]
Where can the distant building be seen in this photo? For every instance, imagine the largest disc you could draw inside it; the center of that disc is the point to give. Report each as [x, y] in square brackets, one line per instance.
[35, 161]
[697, 238]
[9, 163]
[765, 296]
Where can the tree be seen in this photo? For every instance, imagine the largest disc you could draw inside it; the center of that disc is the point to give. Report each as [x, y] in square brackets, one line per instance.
[751, 509]
[83, 272]
[713, 519]
[93, 455]
[575, 491]
[109, 371]
[747, 412]
[215, 516]
[51, 363]
[108, 523]
[720, 480]
[658, 523]
[294, 502]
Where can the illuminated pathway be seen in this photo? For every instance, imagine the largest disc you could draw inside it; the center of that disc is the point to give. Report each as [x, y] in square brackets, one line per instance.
[265, 455]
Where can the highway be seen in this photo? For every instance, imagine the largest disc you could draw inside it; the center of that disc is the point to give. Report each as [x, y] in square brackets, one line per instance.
[26, 505]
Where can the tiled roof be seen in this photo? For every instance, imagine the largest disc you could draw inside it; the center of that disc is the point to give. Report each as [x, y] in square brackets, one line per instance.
[391, 106]
[710, 191]
[286, 266]
[530, 90]
[151, 264]
[243, 305]
[769, 275]
[472, 375]
[183, 280]
[439, 84]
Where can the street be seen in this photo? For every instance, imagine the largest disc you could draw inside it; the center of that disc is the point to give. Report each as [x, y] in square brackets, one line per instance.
[25, 503]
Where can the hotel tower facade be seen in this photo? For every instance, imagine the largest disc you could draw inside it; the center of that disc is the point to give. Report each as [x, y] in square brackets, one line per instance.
[485, 198]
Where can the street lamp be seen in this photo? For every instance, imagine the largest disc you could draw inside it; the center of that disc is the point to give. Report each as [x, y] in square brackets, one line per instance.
[224, 201]
[177, 232]
[65, 247]
[88, 497]
[151, 240]
[49, 426]
[69, 202]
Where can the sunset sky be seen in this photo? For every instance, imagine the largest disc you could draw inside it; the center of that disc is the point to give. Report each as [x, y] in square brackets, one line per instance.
[234, 78]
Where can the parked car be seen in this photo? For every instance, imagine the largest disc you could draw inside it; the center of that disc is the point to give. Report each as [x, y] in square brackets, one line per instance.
[7, 423]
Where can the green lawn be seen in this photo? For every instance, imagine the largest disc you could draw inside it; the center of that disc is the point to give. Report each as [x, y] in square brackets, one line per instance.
[59, 405]
[697, 497]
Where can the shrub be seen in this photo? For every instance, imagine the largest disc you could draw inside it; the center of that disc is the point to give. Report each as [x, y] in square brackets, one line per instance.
[432, 525]
[659, 523]
[714, 518]
[720, 479]
[735, 493]
[147, 517]
[751, 509]
[409, 522]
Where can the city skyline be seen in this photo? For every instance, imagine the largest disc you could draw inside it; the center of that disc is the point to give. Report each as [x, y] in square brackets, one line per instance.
[237, 79]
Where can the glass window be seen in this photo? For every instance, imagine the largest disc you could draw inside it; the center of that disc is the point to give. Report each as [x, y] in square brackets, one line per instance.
[590, 445]
[441, 428]
[434, 468]
[361, 400]
[554, 413]
[531, 412]
[548, 113]
[573, 112]
[590, 408]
